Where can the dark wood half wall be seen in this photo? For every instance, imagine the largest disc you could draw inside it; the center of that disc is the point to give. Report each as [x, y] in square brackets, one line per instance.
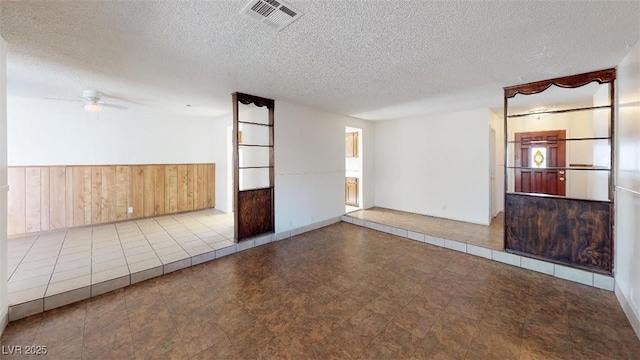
[256, 207]
[569, 231]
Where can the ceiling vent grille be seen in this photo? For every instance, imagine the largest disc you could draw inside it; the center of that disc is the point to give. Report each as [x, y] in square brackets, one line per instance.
[274, 13]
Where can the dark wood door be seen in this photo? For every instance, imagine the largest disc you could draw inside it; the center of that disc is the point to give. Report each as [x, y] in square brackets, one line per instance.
[540, 162]
[351, 191]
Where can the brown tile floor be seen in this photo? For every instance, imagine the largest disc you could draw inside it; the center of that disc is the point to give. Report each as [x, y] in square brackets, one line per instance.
[340, 292]
[491, 237]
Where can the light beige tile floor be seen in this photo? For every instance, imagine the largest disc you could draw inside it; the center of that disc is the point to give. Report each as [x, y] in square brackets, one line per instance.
[480, 235]
[57, 262]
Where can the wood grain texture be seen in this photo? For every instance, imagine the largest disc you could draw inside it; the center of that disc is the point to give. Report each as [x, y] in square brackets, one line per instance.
[149, 195]
[122, 191]
[16, 201]
[254, 213]
[33, 216]
[159, 204]
[108, 194]
[171, 186]
[68, 200]
[45, 200]
[56, 197]
[574, 81]
[96, 196]
[78, 195]
[88, 190]
[568, 231]
[191, 172]
[210, 170]
[183, 187]
[136, 197]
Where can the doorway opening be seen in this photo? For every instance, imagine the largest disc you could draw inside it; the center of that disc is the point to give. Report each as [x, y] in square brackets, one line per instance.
[353, 169]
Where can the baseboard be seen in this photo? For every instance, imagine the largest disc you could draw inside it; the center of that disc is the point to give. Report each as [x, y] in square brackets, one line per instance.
[584, 277]
[627, 307]
[303, 229]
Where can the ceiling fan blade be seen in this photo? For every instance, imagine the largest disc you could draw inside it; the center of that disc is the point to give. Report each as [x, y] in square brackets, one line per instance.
[115, 106]
[69, 100]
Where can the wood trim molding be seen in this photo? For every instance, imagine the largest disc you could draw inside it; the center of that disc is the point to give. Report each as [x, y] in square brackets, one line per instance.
[574, 81]
[247, 99]
[248, 221]
[43, 198]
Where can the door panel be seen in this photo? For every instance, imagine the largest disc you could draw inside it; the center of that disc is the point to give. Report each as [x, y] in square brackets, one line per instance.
[539, 159]
[351, 191]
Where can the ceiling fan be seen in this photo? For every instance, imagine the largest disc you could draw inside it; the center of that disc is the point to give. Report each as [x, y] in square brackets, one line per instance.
[92, 101]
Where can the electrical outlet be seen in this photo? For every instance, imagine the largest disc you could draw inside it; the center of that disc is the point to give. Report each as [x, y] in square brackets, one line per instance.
[130, 210]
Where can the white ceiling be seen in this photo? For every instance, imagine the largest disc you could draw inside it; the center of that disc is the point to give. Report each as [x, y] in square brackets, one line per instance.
[370, 59]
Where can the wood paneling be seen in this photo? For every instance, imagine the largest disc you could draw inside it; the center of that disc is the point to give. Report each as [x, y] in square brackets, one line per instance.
[149, 195]
[210, 173]
[46, 198]
[57, 197]
[160, 191]
[16, 221]
[171, 186]
[78, 195]
[255, 206]
[574, 232]
[32, 200]
[122, 191]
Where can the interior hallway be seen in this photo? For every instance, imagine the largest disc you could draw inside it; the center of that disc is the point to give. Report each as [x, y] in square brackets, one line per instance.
[340, 292]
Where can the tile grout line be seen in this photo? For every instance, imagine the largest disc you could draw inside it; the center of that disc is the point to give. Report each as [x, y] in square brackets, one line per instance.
[123, 255]
[196, 235]
[176, 241]
[54, 268]
[149, 243]
[23, 257]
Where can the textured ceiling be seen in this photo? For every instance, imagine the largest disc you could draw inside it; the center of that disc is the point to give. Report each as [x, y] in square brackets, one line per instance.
[371, 59]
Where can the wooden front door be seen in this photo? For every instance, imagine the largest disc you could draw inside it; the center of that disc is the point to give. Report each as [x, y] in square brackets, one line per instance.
[540, 162]
[351, 191]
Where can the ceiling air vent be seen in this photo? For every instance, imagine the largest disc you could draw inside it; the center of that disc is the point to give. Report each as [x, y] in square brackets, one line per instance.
[271, 12]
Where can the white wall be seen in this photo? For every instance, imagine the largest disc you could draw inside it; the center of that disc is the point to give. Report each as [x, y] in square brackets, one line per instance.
[3, 183]
[627, 231]
[310, 165]
[221, 155]
[497, 124]
[67, 135]
[579, 184]
[435, 165]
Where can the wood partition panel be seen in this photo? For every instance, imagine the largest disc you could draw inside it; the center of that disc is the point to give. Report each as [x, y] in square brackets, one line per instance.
[57, 197]
[568, 231]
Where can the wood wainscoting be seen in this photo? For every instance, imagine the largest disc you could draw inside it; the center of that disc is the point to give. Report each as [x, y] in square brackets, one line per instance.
[568, 231]
[45, 198]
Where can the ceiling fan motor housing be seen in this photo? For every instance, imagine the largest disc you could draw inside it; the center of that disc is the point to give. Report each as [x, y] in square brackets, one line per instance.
[91, 95]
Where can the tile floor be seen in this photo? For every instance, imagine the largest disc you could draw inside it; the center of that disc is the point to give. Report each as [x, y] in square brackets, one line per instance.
[342, 291]
[491, 237]
[58, 262]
